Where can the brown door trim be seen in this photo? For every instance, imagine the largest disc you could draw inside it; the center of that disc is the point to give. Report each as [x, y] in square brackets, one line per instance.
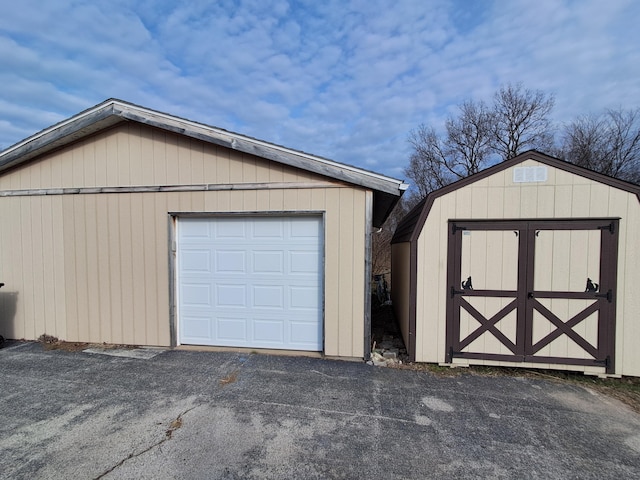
[526, 298]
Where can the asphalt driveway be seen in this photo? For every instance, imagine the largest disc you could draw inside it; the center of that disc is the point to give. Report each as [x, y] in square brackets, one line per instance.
[228, 415]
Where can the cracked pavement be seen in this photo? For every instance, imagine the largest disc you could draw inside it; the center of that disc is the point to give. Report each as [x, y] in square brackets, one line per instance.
[186, 414]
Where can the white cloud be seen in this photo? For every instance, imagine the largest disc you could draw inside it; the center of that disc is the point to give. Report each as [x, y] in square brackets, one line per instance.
[345, 80]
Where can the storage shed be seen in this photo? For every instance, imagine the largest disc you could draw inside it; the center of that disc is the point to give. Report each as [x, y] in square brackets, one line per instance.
[533, 262]
[125, 225]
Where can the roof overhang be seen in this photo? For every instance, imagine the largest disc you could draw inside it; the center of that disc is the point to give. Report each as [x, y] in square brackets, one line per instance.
[386, 190]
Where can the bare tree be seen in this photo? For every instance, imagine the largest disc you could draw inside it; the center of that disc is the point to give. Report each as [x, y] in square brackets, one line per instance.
[521, 120]
[480, 136]
[464, 150]
[608, 143]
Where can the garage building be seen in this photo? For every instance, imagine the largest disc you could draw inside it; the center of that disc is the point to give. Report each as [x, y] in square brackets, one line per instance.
[533, 262]
[125, 225]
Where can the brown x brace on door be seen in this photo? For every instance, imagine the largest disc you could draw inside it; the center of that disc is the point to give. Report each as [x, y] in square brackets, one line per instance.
[539, 291]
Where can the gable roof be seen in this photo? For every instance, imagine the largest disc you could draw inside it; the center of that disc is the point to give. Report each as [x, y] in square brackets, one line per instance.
[411, 225]
[387, 190]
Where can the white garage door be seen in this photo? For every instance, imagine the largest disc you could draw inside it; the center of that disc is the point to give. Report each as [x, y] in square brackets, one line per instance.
[250, 282]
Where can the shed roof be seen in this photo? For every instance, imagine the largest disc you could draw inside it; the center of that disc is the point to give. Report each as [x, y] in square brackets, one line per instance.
[387, 190]
[411, 225]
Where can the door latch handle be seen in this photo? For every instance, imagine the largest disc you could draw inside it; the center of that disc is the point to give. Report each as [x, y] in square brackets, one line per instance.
[608, 295]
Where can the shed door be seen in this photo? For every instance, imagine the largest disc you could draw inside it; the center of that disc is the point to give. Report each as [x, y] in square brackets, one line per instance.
[250, 282]
[538, 291]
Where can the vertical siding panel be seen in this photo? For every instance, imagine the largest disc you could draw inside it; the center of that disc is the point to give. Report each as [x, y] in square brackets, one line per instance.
[236, 201]
[104, 253]
[92, 267]
[463, 202]
[88, 152]
[139, 249]
[27, 265]
[529, 201]
[599, 200]
[250, 201]
[184, 161]
[249, 169]
[124, 173]
[209, 163]
[66, 166]
[70, 258]
[39, 259]
[318, 199]
[35, 174]
[59, 266]
[111, 147]
[290, 201]
[262, 171]
[222, 165]
[162, 268]
[511, 202]
[48, 267]
[495, 202]
[546, 201]
[236, 162]
[356, 318]
[263, 198]
[304, 199]
[102, 161]
[479, 202]
[562, 204]
[171, 151]
[197, 162]
[276, 200]
[345, 269]
[77, 166]
[24, 177]
[332, 272]
[211, 202]
[159, 153]
[151, 239]
[276, 172]
[46, 176]
[115, 268]
[16, 283]
[82, 292]
[126, 266]
[580, 200]
[135, 152]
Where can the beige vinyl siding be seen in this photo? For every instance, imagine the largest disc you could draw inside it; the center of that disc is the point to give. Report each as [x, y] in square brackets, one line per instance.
[563, 195]
[103, 258]
[401, 284]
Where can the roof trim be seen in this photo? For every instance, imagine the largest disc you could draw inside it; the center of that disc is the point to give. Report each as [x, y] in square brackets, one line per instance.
[113, 111]
[411, 225]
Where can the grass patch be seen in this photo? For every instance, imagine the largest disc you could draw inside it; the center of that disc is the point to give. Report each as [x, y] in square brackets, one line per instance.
[625, 389]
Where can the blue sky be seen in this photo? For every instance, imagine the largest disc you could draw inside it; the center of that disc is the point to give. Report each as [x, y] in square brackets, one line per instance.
[346, 80]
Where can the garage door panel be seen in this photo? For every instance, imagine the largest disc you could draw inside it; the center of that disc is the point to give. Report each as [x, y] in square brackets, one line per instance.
[264, 289]
[231, 296]
[199, 327]
[304, 262]
[304, 298]
[195, 230]
[230, 329]
[268, 331]
[268, 296]
[267, 228]
[230, 261]
[196, 261]
[305, 229]
[229, 228]
[196, 294]
[268, 261]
